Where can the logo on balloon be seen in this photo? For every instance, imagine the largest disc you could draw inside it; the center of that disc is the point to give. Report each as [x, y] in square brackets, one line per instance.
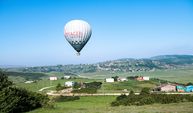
[74, 34]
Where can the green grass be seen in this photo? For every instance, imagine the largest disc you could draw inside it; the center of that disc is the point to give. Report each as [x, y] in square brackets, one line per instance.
[46, 83]
[101, 104]
[177, 75]
[134, 85]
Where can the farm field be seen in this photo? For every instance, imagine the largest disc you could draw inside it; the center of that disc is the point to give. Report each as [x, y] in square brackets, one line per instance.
[46, 83]
[129, 85]
[105, 88]
[176, 75]
[101, 104]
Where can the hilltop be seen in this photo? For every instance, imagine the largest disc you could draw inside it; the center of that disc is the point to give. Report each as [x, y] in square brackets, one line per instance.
[121, 65]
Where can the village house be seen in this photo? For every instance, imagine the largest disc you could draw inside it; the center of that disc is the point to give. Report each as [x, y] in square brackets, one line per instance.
[141, 78]
[122, 79]
[167, 87]
[69, 83]
[53, 78]
[109, 80]
[146, 78]
[28, 82]
[189, 88]
[67, 77]
[181, 88]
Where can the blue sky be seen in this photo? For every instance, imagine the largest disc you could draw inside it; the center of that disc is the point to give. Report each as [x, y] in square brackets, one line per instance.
[31, 31]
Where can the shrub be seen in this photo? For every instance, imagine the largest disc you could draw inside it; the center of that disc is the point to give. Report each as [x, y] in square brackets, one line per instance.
[17, 100]
[152, 98]
[146, 100]
[94, 85]
[20, 100]
[115, 103]
[59, 87]
[131, 93]
[121, 97]
[145, 91]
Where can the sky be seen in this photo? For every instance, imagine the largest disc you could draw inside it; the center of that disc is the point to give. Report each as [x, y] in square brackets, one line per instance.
[32, 31]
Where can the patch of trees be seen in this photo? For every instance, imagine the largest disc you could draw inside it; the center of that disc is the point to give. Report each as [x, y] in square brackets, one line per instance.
[17, 100]
[66, 98]
[146, 98]
[89, 88]
[71, 69]
[60, 87]
[94, 85]
[27, 76]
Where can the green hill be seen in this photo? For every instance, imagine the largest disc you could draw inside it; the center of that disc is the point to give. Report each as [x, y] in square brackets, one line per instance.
[121, 65]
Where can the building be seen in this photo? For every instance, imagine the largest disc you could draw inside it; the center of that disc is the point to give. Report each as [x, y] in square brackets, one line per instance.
[28, 82]
[189, 88]
[53, 78]
[180, 88]
[69, 83]
[109, 80]
[67, 77]
[167, 87]
[122, 79]
[141, 78]
[145, 78]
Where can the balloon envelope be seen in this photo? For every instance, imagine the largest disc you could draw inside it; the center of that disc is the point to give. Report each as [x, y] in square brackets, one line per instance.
[77, 33]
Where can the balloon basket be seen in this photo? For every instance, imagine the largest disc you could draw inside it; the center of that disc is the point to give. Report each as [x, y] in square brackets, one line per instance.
[78, 54]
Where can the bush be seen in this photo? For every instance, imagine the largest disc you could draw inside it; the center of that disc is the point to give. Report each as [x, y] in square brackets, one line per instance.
[17, 100]
[146, 100]
[93, 85]
[115, 103]
[131, 93]
[59, 87]
[20, 100]
[145, 91]
[121, 97]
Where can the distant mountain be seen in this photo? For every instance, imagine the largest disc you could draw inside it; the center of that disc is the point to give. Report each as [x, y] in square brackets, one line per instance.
[175, 59]
[120, 65]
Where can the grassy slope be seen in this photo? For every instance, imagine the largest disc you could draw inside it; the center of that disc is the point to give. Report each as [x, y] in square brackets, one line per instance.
[46, 83]
[129, 85]
[102, 105]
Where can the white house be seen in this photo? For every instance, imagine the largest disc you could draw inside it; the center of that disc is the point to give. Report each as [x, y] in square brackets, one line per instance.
[122, 79]
[109, 80]
[67, 77]
[145, 78]
[28, 82]
[53, 78]
[69, 83]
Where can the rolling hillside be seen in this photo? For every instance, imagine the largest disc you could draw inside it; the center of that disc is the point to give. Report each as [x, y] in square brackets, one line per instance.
[121, 65]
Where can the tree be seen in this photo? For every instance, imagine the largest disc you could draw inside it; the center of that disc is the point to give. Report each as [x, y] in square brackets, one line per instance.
[17, 100]
[76, 85]
[115, 78]
[190, 83]
[145, 91]
[4, 82]
[131, 93]
[59, 87]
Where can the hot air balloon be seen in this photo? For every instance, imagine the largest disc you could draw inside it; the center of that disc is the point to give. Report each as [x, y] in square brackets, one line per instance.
[77, 33]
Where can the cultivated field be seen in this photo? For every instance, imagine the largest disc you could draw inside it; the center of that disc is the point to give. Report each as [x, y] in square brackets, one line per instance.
[177, 75]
